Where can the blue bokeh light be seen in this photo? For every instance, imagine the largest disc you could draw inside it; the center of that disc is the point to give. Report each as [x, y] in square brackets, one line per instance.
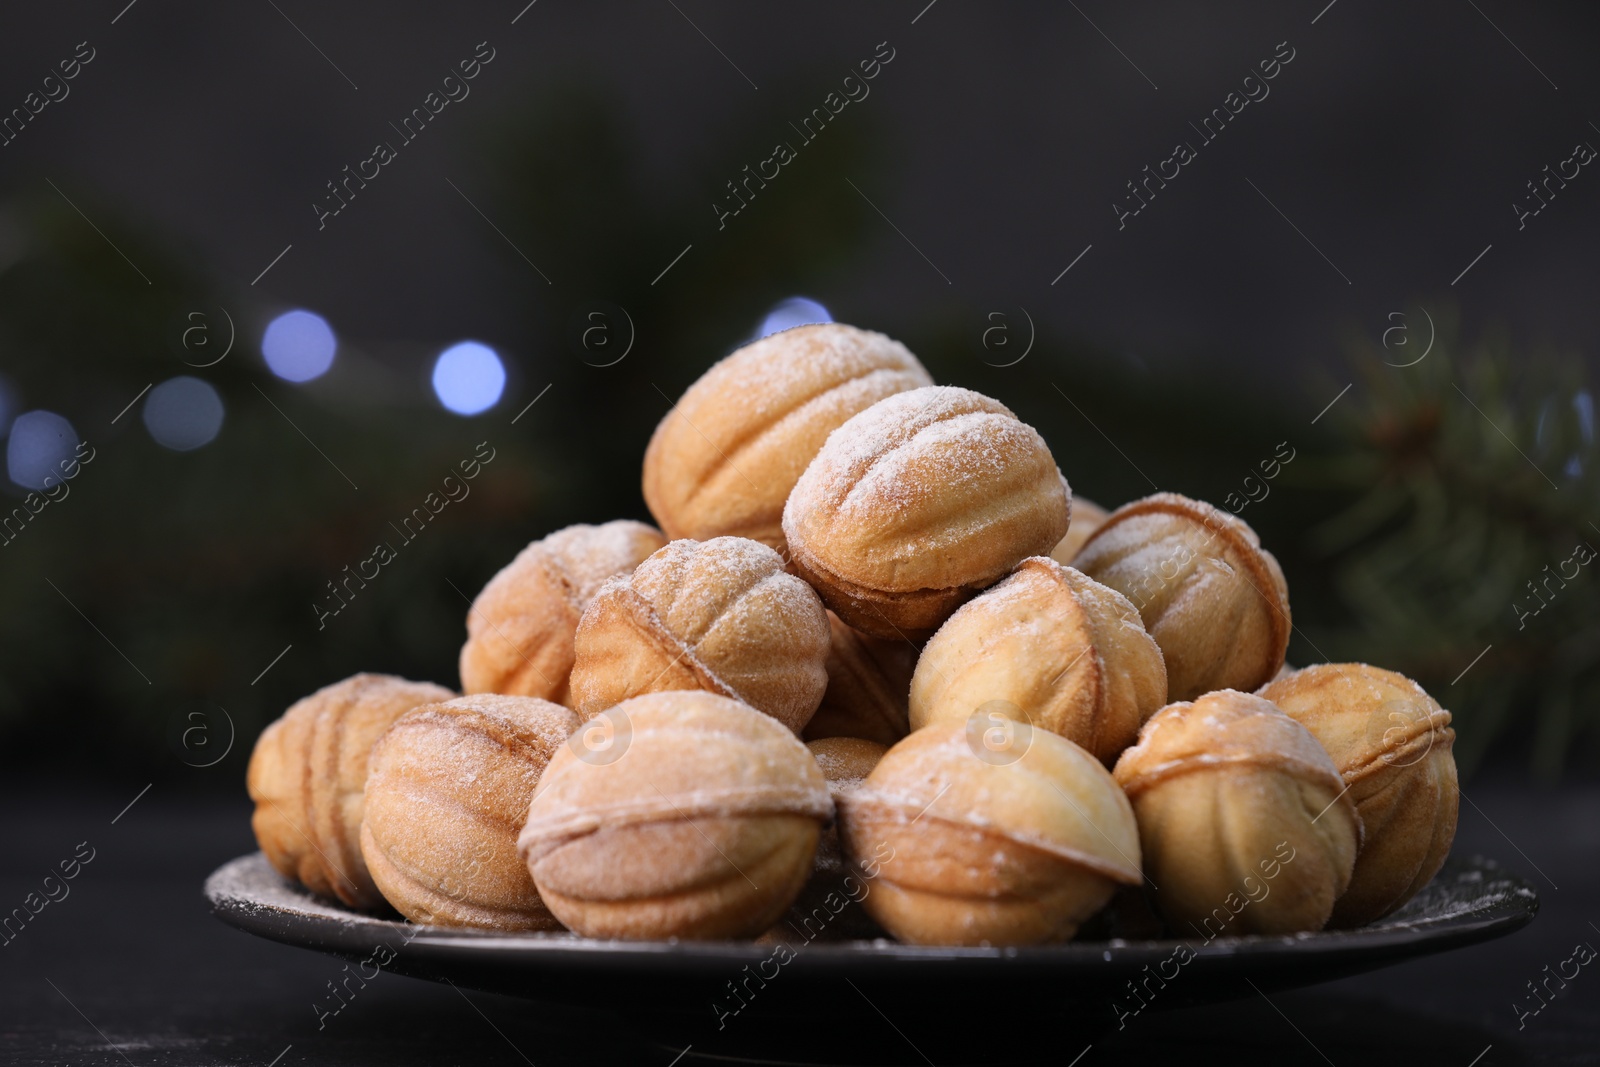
[469, 378]
[40, 441]
[183, 413]
[299, 346]
[1553, 424]
[795, 311]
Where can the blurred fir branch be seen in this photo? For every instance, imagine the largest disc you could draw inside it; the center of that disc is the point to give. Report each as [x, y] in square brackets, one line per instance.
[1476, 477]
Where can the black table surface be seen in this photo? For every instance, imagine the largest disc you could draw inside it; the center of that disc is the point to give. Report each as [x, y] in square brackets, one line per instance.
[130, 967]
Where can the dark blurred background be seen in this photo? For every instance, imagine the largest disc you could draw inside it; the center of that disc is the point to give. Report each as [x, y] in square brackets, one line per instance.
[1382, 266]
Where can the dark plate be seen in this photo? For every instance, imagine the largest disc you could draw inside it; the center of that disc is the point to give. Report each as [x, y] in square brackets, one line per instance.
[748, 998]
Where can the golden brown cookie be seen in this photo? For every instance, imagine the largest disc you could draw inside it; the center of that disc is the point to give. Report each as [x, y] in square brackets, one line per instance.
[1051, 646]
[868, 682]
[966, 839]
[828, 907]
[845, 761]
[447, 792]
[1392, 744]
[519, 630]
[1087, 517]
[720, 615]
[692, 816]
[1244, 820]
[725, 457]
[919, 502]
[1211, 596]
[307, 776]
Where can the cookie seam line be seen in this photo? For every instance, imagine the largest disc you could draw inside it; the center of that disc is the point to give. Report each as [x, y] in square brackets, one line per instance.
[549, 832]
[1119, 872]
[659, 632]
[1205, 761]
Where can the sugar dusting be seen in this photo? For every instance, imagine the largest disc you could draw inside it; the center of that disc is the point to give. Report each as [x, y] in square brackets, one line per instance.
[591, 554]
[783, 370]
[852, 449]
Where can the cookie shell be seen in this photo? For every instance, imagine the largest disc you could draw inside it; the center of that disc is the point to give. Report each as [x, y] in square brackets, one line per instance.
[869, 679]
[1087, 517]
[1213, 599]
[723, 460]
[520, 628]
[307, 777]
[702, 825]
[447, 792]
[919, 502]
[719, 615]
[1392, 743]
[960, 850]
[845, 761]
[1226, 789]
[1053, 647]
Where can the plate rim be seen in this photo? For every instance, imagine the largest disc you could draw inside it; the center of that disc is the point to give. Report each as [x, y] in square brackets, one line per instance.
[355, 932]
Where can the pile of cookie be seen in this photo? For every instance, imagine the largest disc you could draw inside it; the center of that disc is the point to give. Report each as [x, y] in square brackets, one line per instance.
[874, 639]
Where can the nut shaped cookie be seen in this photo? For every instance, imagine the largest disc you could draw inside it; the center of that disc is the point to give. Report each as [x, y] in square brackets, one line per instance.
[1392, 744]
[693, 816]
[845, 762]
[1017, 845]
[724, 459]
[868, 682]
[307, 777]
[1243, 818]
[919, 502]
[1060, 650]
[1211, 596]
[1087, 517]
[447, 792]
[720, 615]
[829, 905]
[520, 628]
